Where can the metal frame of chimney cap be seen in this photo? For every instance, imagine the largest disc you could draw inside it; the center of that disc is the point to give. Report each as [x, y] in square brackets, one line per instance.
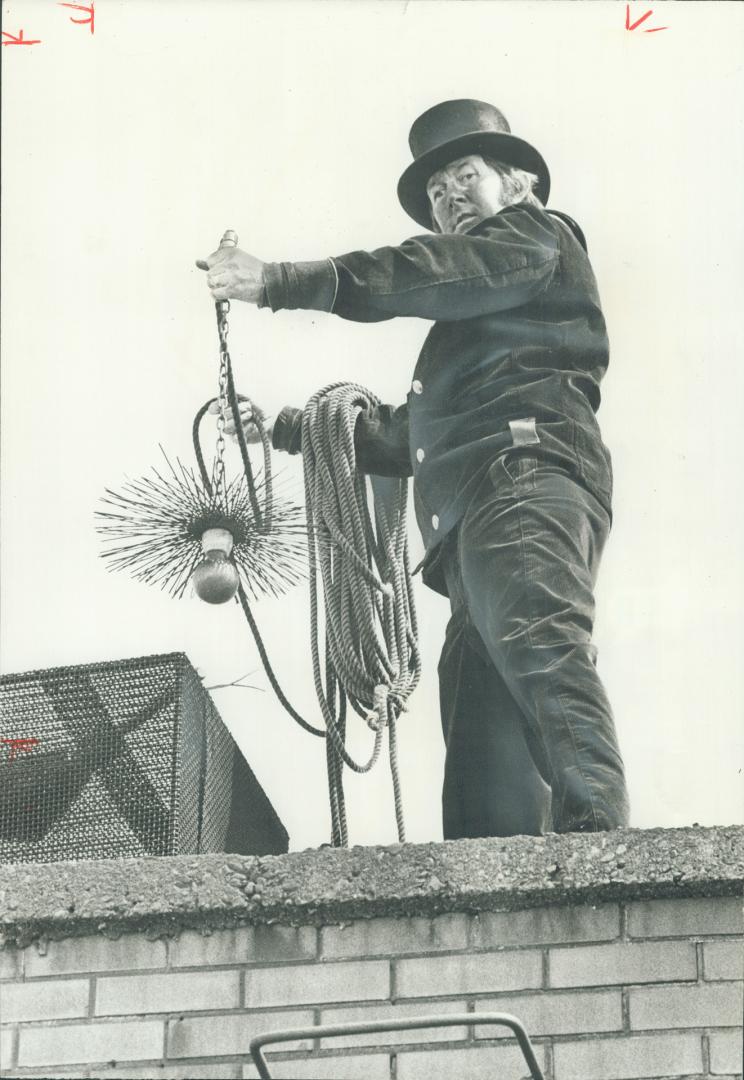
[324, 1031]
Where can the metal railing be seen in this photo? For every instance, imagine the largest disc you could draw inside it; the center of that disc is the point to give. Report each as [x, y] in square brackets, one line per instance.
[325, 1031]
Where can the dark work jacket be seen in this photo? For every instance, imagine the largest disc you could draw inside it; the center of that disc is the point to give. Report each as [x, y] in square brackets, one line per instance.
[514, 359]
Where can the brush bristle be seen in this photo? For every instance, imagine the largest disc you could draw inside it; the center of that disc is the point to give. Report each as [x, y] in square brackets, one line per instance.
[152, 529]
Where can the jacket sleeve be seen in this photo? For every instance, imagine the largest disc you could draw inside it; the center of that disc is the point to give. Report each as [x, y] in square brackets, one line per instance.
[380, 439]
[503, 263]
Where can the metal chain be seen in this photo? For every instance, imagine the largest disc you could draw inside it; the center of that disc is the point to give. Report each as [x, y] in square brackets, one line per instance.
[223, 307]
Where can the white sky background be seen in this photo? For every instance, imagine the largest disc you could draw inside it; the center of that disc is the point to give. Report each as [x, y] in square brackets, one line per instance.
[127, 154]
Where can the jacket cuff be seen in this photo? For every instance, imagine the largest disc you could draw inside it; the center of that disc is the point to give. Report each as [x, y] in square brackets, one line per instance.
[309, 285]
[287, 433]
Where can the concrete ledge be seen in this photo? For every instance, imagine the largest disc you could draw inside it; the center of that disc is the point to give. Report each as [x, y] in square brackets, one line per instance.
[161, 896]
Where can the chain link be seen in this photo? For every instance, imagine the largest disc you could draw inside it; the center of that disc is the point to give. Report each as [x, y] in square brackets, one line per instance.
[223, 307]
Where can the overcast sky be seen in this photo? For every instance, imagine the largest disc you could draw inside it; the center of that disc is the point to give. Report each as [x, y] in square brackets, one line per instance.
[128, 152]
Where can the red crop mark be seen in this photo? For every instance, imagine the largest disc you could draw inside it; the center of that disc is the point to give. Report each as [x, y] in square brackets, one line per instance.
[89, 9]
[24, 745]
[637, 23]
[20, 39]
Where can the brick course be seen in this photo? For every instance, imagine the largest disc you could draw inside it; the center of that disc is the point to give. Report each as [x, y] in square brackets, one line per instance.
[547, 1013]
[546, 926]
[10, 966]
[133, 1040]
[478, 1063]
[629, 1058]
[372, 937]
[7, 1044]
[469, 974]
[222, 1071]
[603, 965]
[214, 1036]
[348, 1067]
[393, 1012]
[685, 918]
[246, 945]
[75, 1072]
[723, 959]
[54, 1000]
[83, 954]
[725, 1052]
[309, 984]
[126, 994]
[718, 1005]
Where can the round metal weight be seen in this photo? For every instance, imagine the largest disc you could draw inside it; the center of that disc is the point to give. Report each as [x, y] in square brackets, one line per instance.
[215, 579]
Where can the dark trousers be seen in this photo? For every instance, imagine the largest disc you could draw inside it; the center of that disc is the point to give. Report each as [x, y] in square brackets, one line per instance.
[530, 737]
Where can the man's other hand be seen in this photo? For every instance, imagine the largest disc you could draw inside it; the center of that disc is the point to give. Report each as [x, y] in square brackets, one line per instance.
[248, 409]
[233, 274]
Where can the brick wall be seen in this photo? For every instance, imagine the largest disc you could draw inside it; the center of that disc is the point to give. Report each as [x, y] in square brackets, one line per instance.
[637, 989]
[611, 990]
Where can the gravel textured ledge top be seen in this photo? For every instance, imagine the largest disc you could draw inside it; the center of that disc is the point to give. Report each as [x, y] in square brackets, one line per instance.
[161, 896]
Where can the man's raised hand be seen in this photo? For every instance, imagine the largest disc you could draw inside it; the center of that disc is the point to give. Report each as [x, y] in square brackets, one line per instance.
[233, 274]
[247, 411]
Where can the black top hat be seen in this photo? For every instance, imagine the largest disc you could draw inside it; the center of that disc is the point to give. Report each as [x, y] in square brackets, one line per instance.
[452, 130]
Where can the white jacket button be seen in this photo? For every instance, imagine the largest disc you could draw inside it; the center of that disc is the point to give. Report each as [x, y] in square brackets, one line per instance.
[417, 386]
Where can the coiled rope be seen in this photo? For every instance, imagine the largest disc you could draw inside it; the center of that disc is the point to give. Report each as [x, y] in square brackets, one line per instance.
[371, 655]
[370, 641]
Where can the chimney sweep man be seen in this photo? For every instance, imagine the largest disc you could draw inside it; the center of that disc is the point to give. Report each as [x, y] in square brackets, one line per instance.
[512, 482]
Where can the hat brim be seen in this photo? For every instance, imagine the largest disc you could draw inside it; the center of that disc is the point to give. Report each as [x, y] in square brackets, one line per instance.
[508, 149]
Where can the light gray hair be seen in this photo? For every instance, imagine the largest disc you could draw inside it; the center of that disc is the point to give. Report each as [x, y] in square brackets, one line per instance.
[518, 184]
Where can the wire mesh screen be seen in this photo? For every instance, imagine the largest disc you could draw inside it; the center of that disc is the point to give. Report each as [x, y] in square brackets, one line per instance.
[123, 758]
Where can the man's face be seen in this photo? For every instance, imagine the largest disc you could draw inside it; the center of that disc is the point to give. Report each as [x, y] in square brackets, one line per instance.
[463, 193]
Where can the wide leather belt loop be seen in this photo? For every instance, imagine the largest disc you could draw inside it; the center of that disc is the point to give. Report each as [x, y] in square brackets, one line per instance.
[524, 432]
